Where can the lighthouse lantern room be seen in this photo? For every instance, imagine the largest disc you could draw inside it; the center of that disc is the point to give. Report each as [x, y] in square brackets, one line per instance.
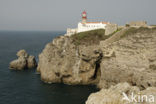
[84, 17]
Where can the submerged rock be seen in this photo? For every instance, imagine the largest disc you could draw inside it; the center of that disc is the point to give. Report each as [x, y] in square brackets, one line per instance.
[24, 61]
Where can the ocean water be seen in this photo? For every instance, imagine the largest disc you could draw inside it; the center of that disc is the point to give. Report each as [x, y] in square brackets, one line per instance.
[25, 87]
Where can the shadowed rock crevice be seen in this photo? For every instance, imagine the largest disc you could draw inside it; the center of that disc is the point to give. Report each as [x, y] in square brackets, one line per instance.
[97, 73]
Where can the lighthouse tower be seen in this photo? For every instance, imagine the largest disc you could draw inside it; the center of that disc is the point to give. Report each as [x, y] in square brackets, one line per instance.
[84, 17]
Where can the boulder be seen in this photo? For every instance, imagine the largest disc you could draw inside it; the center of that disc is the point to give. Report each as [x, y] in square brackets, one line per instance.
[18, 64]
[117, 95]
[31, 62]
[24, 61]
[22, 53]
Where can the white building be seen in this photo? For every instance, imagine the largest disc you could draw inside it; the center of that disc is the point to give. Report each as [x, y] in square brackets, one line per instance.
[86, 26]
[71, 31]
[90, 26]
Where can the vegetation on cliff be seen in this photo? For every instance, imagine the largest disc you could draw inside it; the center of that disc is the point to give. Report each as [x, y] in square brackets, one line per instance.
[133, 30]
[89, 37]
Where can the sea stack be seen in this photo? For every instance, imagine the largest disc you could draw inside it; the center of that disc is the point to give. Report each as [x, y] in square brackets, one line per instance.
[24, 61]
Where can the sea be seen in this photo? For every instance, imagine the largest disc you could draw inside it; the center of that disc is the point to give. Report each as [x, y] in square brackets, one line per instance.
[25, 87]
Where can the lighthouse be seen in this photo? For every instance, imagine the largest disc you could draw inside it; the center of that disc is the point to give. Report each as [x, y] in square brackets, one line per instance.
[85, 25]
[84, 17]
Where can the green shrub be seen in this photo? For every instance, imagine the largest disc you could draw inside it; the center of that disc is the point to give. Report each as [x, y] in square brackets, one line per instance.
[89, 37]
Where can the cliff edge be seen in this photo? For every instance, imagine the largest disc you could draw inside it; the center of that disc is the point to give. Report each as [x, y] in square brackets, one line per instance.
[127, 55]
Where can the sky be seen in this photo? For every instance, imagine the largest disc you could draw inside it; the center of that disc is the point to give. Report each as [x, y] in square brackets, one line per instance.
[58, 15]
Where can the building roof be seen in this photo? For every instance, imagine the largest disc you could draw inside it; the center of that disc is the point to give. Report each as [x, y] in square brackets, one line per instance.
[97, 22]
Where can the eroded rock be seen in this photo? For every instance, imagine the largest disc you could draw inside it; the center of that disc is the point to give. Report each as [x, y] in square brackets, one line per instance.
[128, 56]
[24, 61]
[18, 64]
[62, 61]
[131, 59]
[31, 62]
[123, 93]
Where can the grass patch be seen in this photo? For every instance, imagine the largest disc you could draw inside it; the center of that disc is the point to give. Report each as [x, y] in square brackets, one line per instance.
[133, 30]
[89, 37]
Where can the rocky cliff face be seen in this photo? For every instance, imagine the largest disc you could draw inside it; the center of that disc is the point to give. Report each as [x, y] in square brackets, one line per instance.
[133, 59]
[123, 93]
[62, 61]
[128, 56]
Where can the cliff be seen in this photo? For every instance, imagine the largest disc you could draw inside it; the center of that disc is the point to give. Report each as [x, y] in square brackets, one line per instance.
[133, 59]
[128, 55]
[72, 60]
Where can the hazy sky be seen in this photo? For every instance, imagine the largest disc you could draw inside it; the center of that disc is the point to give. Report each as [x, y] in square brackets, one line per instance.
[61, 14]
